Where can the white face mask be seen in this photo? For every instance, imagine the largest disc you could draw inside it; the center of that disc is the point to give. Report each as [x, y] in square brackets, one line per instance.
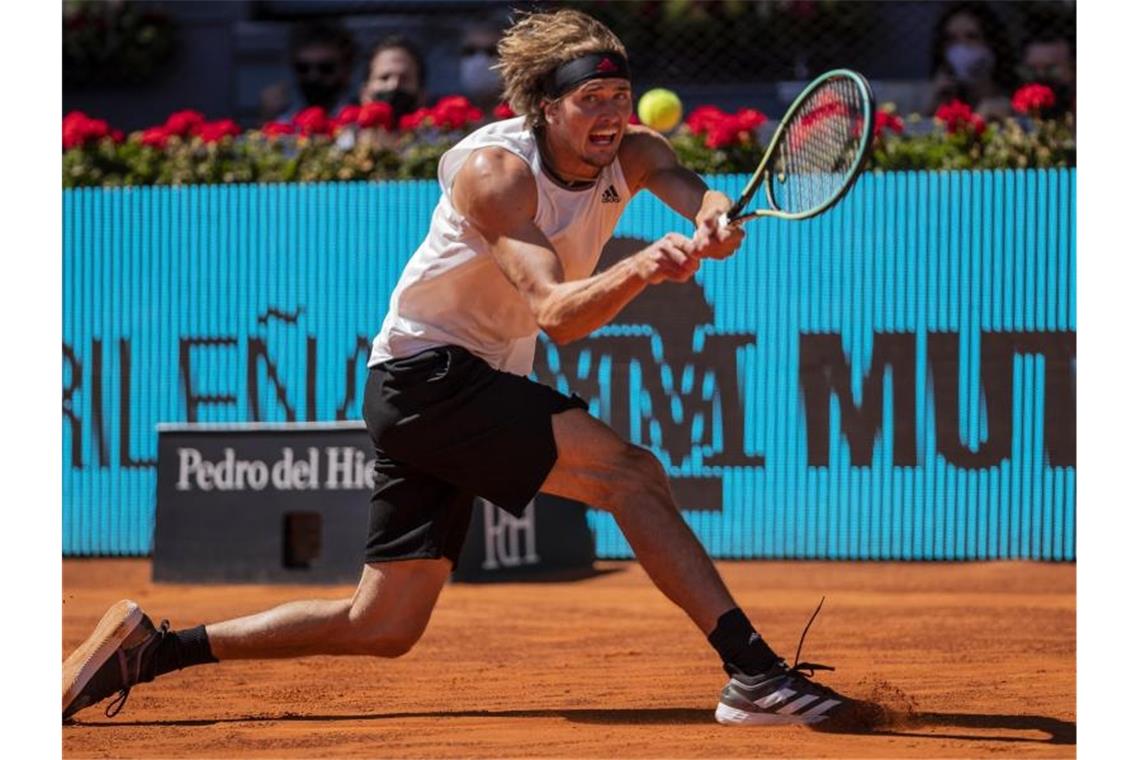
[477, 77]
[970, 63]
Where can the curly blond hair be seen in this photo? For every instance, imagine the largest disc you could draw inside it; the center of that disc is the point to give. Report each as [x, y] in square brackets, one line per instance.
[537, 44]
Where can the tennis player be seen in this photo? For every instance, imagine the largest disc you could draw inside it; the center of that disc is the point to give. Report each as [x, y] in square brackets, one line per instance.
[526, 207]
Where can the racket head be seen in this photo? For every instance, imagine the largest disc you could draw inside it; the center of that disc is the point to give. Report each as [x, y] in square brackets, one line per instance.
[817, 151]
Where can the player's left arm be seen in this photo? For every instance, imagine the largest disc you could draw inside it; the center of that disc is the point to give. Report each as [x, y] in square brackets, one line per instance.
[649, 163]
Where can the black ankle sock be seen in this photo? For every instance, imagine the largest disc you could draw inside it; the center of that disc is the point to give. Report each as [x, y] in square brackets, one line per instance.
[743, 651]
[181, 649]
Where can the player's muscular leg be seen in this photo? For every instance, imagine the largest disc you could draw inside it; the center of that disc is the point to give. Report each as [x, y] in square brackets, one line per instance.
[599, 468]
[384, 618]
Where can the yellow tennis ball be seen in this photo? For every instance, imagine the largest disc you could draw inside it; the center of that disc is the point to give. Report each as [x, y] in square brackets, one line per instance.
[660, 109]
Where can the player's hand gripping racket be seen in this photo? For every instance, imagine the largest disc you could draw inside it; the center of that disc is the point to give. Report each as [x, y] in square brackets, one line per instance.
[816, 153]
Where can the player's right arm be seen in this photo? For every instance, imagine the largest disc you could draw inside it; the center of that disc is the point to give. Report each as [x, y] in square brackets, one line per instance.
[495, 191]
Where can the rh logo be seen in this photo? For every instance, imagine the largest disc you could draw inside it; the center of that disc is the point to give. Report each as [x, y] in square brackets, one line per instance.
[508, 541]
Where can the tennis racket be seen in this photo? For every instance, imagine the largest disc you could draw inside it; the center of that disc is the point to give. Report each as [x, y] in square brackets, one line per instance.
[816, 153]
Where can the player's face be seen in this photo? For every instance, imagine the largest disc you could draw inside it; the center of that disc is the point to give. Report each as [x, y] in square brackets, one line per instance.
[591, 120]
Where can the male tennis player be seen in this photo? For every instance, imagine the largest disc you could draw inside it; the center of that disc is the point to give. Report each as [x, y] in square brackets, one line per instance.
[526, 207]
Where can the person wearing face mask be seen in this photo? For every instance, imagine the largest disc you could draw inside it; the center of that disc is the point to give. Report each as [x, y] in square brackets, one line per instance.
[396, 75]
[479, 82]
[971, 61]
[321, 55]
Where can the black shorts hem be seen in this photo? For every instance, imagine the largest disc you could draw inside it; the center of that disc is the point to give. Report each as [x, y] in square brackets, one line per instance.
[414, 555]
[545, 456]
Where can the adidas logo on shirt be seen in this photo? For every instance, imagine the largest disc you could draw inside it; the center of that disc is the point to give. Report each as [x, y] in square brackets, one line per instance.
[611, 195]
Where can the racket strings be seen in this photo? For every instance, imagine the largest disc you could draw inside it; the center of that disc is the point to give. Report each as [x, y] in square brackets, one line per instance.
[819, 148]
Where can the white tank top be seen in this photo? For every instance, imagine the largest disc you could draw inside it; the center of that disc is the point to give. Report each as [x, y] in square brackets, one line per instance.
[453, 293]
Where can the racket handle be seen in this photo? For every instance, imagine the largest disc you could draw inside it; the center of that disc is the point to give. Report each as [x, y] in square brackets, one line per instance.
[728, 220]
[732, 214]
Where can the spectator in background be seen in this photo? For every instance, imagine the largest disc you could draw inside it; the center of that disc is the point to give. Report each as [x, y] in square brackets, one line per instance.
[396, 76]
[322, 55]
[1049, 57]
[480, 83]
[972, 61]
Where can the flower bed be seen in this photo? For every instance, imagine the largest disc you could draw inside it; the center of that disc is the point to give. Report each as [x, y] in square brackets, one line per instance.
[367, 143]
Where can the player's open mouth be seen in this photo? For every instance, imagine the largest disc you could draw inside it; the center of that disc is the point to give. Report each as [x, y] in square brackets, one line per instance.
[603, 138]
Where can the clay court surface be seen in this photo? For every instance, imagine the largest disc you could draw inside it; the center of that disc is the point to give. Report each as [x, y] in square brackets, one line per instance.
[984, 655]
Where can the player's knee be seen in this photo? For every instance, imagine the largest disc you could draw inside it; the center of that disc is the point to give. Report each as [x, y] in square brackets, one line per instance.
[643, 480]
[377, 634]
[388, 642]
[394, 644]
[646, 468]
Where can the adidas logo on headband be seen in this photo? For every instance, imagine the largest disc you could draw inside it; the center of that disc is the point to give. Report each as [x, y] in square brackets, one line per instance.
[582, 69]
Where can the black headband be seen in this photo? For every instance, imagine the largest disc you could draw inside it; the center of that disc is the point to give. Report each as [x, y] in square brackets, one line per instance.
[582, 69]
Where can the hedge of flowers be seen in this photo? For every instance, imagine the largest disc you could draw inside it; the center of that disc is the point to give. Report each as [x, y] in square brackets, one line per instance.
[367, 143]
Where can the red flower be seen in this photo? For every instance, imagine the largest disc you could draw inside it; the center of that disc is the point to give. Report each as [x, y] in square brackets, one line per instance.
[184, 123]
[722, 134]
[155, 137]
[213, 131]
[415, 119]
[749, 118]
[454, 112]
[1033, 99]
[503, 111]
[79, 130]
[313, 121]
[953, 113]
[375, 115]
[97, 129]
[276, 129]
[702, 118]
[958, 116]
[72, 129]
[346, 115]
[721, 129]
[884, 120]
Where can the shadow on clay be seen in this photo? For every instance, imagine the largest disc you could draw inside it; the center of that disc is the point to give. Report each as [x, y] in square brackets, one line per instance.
[1059, 731]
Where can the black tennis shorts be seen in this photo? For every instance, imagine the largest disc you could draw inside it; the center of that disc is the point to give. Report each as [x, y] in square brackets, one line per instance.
[447, 428]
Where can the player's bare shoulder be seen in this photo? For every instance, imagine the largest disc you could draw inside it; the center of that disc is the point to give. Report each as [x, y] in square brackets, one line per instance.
[494, 187]
[644, 151]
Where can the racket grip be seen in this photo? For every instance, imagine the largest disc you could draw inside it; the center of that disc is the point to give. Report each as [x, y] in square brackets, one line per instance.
[732, 214]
